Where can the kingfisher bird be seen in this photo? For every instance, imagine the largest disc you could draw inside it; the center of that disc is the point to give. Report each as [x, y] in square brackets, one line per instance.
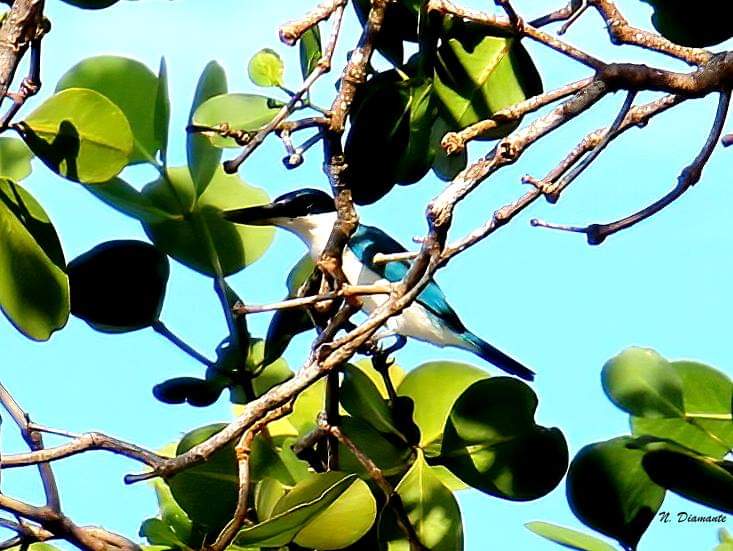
[310, 214]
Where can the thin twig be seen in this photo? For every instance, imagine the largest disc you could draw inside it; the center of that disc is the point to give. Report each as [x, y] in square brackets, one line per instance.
[597, 233]
[345, 291]
[243, 450]
[160, 328]
[323, 67]
[291, 32]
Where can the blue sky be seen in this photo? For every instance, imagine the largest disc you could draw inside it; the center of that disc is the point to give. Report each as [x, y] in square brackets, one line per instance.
[561, 306]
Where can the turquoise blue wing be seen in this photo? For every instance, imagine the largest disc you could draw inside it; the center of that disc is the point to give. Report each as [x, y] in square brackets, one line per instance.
[367, 241]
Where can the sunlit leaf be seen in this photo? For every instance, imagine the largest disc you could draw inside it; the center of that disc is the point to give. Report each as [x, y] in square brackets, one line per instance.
[431, 508]
[15, 159]
[34, 290]
[298, 508]
[266, 68]
[79, 134]
[642, 383]
[132, 87]
[704, 424]
[123, 197]
[432, 408]
[477, 74]
[572, 539]
[203, 239]
[244, 112]
[203, 158]
[310, 50]
[162, 112]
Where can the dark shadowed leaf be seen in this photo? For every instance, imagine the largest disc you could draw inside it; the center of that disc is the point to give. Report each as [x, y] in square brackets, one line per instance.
[400, 23]
[419, 155]
[79, 134]
[380, 130]
[641, 382]
[34, 290]
[196, 392]
[704, 23]
[492, 443]
[695, 477]
[477, 74]
[360, 397]
[609, 490]
[266, 68]
[246, 112]
[91, 4]
[432, 509]
[285, 324]
[572, 539]
[203, 158]
[193, 488]
[704, 424]
[118, 286]
[203, 240]
[15, 159]
[310, 50]
[390, 454]
[171, 513]
[132, 87]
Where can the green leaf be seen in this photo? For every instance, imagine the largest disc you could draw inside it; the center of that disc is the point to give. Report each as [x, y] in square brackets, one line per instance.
[15, 159]
[132, 87]
[419, 154]
[34, 290]
[477, 74]
[360, 397]
[340, 524]
[704, 424]
[609, 490]
[266, 69]
[492, 443]
[119, 286]
[446, 167]
[194, 487]
[171, 513]
[391, 455]
[702, 24]
[275, 373]
[203, 158]
[196, 392]
[273, 458]
[641, 382]
[432, 408]
[162, 112]
[267, 493]
[158, 532]
[121, 196]
[79, 134]
[567, 537]
[35, 547]
[310, 50]
[244, 112]
[296, 511]
[431, 508]
[91, 4]
[203, 240]
[380, 130]
[697, 478]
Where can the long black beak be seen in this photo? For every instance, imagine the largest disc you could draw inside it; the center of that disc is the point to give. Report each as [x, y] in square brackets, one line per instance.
[260, 215]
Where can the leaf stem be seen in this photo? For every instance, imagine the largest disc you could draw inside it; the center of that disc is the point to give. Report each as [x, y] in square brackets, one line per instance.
[160, 328]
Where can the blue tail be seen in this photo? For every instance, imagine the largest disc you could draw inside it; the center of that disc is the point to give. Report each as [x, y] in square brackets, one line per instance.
[496, 357]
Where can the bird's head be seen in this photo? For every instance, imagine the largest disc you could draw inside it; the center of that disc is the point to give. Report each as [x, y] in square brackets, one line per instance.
[286, 210]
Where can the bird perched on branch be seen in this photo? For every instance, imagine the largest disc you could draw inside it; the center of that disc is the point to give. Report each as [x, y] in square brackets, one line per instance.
[310, 214]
